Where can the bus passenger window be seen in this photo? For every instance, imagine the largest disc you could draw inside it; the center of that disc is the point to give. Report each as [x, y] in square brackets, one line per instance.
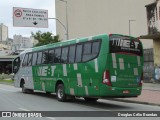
[25, 60]
[39, 59]
[51, 56]
[71, 55]
[95, 48]
[45, 57]
[57, 58]
[78, 53]
[87, 55]
[34, 59]
[64, 57]
[29, 59]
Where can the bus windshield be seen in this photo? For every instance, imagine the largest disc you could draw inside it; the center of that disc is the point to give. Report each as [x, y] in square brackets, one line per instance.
[125, 45]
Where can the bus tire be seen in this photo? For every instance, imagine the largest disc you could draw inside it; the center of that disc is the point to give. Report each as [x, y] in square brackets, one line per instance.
[60, 93]
[24, 90]
[87, 99]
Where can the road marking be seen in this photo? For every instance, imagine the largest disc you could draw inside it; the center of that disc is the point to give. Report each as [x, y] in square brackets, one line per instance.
[23, 109]
[6, 90]
[51, 118]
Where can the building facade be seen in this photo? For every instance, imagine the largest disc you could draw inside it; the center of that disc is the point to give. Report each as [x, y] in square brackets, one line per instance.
[153, 17]
[92, 17]
[153, 22]
[20, 42]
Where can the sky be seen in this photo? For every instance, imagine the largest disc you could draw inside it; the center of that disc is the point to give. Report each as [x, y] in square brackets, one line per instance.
[6, 15]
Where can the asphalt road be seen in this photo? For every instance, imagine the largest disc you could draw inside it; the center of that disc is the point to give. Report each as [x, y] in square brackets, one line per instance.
[12, 99]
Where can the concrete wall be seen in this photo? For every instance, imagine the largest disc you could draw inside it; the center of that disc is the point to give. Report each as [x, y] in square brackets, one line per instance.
[156, 45]
[147, 43]
[92, 17]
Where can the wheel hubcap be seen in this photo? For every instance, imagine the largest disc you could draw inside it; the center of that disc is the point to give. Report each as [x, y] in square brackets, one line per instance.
[60, 93]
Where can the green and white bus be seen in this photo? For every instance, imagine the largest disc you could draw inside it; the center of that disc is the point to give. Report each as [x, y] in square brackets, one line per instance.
[92, 67]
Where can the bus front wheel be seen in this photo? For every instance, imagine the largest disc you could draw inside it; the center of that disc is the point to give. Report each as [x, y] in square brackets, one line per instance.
[24, 90]
[60, 93]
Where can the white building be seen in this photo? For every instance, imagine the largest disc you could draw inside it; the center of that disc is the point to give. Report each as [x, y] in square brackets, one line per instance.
[92, 17]
[20, 42]
[3, 32]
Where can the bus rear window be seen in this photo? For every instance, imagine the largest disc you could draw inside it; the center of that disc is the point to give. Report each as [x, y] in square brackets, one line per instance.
[125, 45]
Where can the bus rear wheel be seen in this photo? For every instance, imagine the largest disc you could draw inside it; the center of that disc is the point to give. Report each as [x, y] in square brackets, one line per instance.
[60, 93]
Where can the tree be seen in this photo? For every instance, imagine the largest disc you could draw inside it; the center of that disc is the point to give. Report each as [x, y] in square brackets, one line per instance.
[45, 38]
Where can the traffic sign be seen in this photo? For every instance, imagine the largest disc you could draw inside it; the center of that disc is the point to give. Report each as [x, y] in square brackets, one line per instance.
[27, 17]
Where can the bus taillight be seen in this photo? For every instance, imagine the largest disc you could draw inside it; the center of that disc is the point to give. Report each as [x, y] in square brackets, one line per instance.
[141, 80]
[106, 78]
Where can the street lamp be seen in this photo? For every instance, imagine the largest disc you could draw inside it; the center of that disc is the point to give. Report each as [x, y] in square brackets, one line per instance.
[130, 26]
[61, 24]
[67, 35]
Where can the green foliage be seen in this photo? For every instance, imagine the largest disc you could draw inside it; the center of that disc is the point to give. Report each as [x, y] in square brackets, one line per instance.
[45, 38]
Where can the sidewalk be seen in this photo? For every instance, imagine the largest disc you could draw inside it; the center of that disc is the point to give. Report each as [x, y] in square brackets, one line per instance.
[150, 95]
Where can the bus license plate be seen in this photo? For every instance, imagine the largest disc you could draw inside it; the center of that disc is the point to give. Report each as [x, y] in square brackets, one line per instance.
[126, 91]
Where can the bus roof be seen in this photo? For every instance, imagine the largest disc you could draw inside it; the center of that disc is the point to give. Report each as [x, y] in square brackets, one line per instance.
[66, 42]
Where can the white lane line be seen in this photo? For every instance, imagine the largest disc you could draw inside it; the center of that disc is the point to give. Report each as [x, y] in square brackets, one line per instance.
[52, 118]
[6, 90]
[23, 109]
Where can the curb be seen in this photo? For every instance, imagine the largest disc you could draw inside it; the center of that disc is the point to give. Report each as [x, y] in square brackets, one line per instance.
[151, 89]
[6, 83]
[133, 101]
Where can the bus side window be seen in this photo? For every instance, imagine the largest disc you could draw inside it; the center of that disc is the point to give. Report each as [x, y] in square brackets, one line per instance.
[78, 53]
[95, 48]
[45, 57]
[34, 58]
[90, 50]
[29, 59]
[71, 55]
[25, 60]
[57, 58]
[64, 57]
[87, 52]
[51, 56]
[39, 58]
